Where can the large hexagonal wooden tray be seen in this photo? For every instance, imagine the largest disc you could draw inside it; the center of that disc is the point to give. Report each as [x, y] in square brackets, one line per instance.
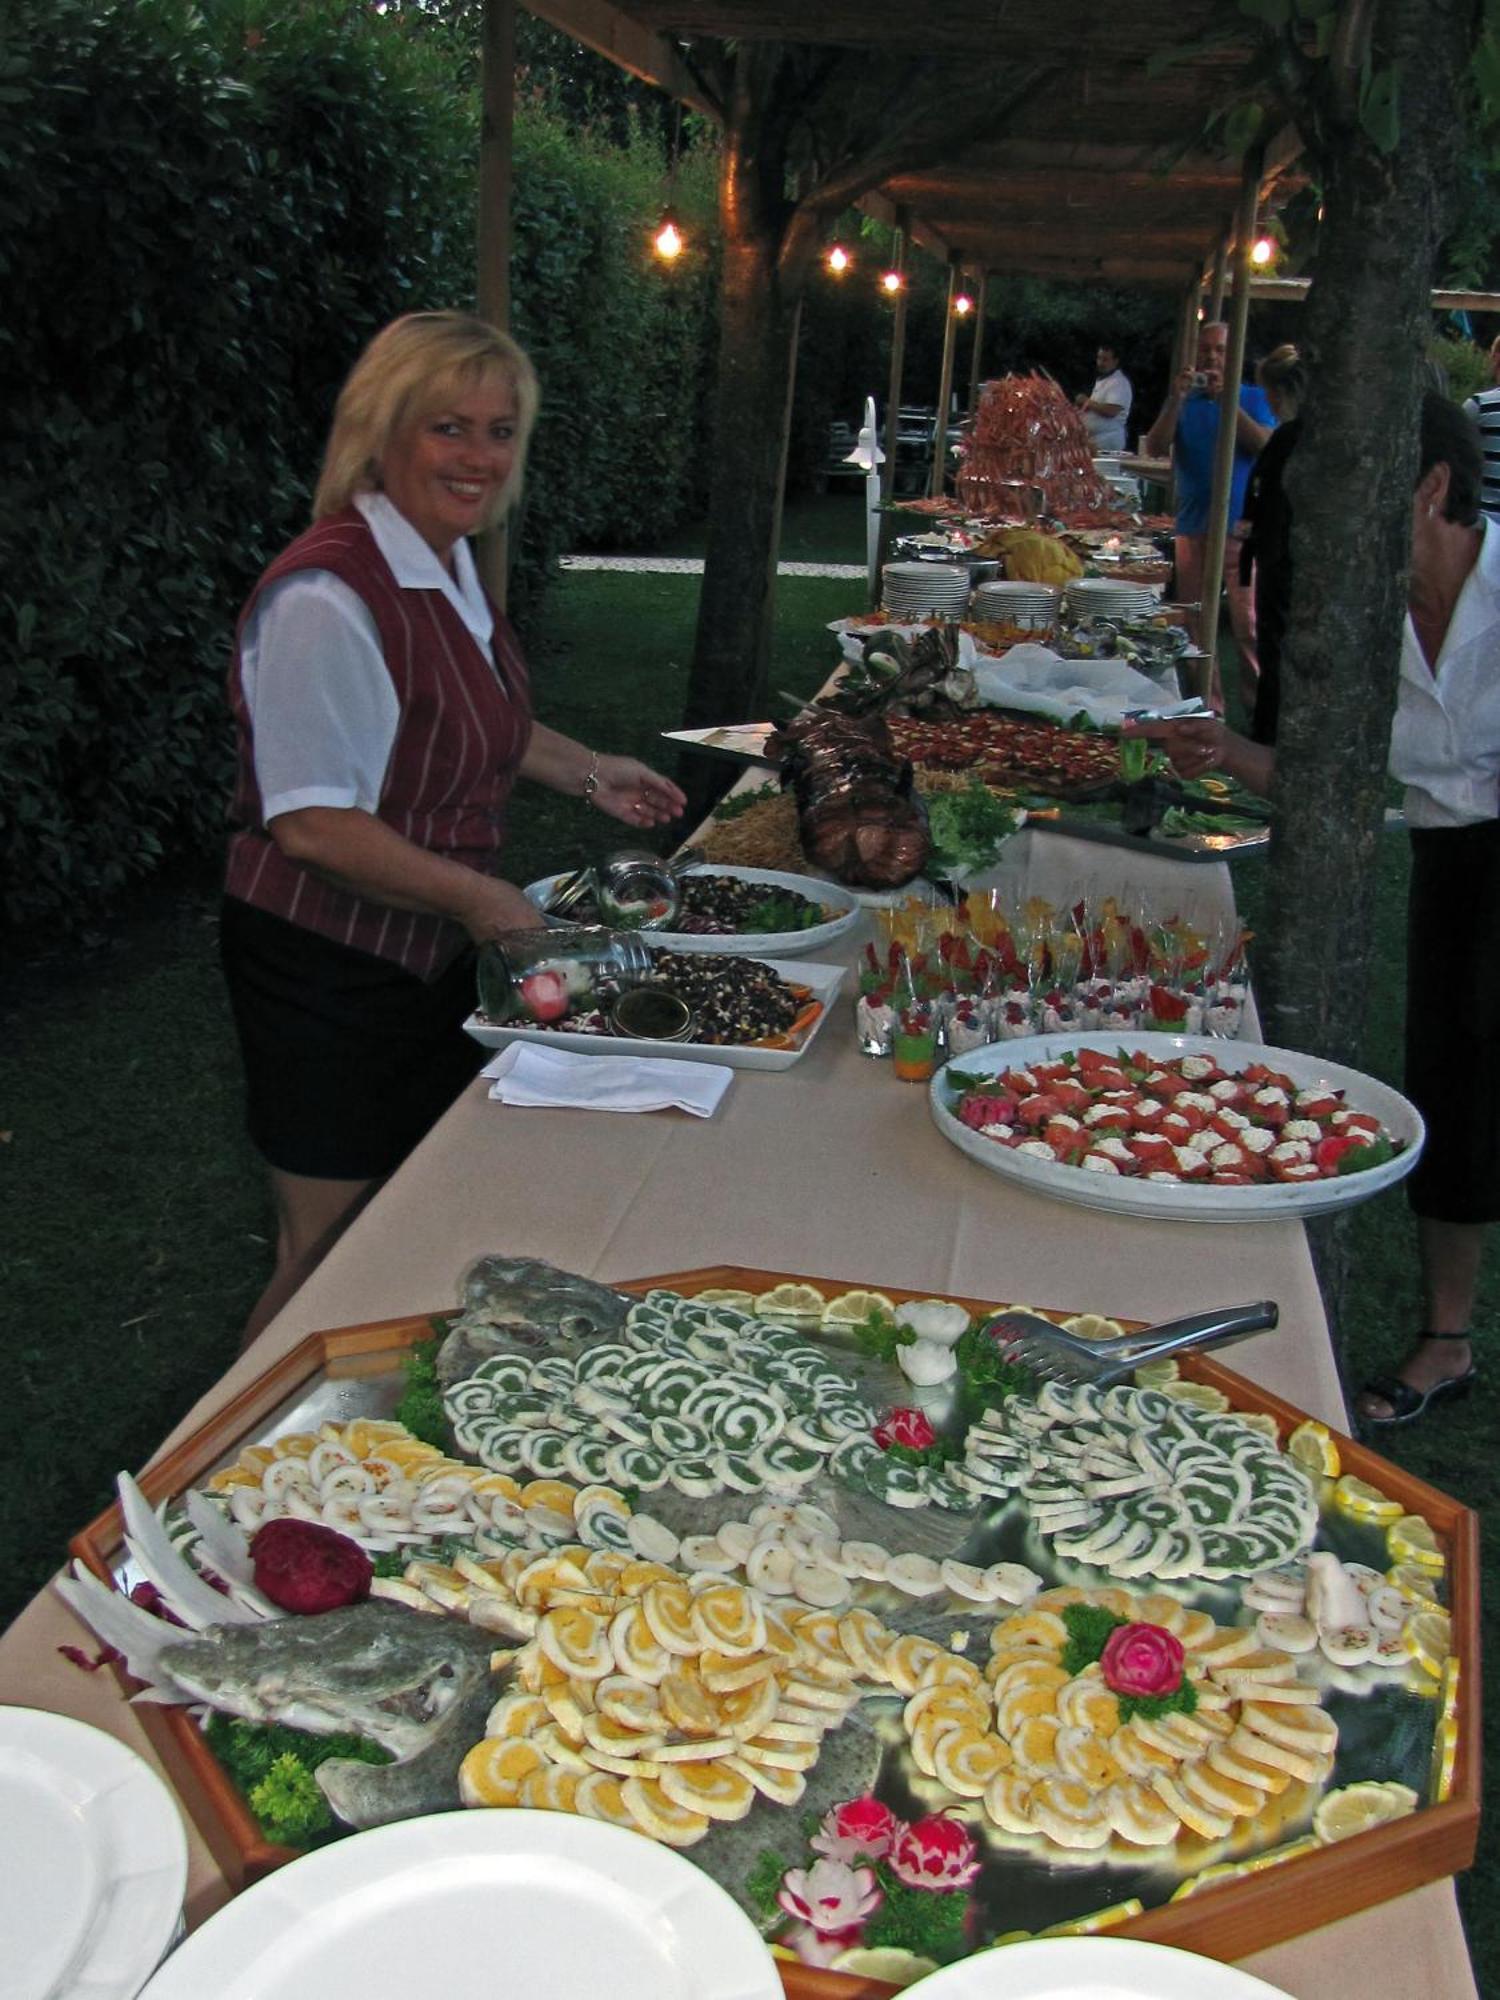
[352, 1370]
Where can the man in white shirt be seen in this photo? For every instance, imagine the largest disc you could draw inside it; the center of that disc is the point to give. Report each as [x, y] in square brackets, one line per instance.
[1484, 409]
[1107, 406]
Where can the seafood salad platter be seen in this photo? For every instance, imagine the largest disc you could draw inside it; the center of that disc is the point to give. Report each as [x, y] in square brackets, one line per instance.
[915, 1640]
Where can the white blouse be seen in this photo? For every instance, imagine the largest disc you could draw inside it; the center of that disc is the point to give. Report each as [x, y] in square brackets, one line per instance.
[1445, 742]
[322, 705]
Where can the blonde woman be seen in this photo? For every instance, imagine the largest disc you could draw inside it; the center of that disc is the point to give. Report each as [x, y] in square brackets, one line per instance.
[383, 712]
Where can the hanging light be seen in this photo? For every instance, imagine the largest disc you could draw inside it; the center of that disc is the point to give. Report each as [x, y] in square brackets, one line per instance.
[963, 304]
[839, 260]
[1263, 250]
[668, 242]
[892, 281]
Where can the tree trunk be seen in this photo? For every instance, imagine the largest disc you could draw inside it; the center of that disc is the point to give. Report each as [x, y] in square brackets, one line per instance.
[1350, 485]
[765, 267]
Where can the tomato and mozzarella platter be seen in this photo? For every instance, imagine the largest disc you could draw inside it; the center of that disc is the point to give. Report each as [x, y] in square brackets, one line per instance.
[1181, 1118]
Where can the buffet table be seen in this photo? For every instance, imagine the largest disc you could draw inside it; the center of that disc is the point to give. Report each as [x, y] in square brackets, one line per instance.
[829, 1169]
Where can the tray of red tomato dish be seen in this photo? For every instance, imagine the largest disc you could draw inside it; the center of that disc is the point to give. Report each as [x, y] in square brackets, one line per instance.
[1177, 1126]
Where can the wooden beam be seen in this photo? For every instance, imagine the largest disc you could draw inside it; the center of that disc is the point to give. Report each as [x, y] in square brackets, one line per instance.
[610, 32]
[880, 208]
[1293, 291]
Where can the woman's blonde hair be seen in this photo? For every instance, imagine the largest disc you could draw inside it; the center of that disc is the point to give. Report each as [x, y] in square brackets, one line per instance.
[1284, 371]
[416, 365]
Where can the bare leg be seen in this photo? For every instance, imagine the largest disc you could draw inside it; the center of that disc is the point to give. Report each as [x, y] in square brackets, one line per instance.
[1451, 1254]
[311, 1215]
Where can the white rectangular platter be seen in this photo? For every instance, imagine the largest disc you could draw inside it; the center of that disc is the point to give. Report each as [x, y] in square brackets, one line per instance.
[823, 981]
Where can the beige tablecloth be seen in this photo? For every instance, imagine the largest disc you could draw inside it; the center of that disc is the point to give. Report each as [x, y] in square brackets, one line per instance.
[829, 1169]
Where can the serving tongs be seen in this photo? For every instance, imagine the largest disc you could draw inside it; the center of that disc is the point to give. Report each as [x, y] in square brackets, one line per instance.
[1057, 1356]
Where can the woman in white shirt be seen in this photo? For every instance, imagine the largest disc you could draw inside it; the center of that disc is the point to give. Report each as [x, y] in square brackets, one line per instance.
[383, 712]
[1445, 747]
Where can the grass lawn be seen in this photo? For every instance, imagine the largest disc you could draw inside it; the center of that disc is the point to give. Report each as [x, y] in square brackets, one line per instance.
[136, 1231]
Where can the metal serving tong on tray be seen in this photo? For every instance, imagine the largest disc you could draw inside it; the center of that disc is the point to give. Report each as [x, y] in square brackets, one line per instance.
[1058, 1356]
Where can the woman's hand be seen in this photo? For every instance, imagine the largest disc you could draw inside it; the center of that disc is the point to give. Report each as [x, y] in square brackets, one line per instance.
[493, 907]
[636, 795]
[1194, 744]
[1197, 744]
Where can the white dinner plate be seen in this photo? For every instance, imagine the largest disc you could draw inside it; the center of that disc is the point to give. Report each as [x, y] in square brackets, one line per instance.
[471, 1905]
[1093, 1968]
[748, 944]
[93, 1861]
[823, 981]
[1167, 1201]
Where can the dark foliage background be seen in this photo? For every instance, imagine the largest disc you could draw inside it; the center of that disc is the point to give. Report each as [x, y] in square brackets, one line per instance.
[201, 222]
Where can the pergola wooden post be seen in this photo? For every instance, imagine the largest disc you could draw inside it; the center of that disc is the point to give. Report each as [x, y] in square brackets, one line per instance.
[1229, 409]
[976, 359]
[893, 392]
[1219, 278]
[945, 384]
[492, 246]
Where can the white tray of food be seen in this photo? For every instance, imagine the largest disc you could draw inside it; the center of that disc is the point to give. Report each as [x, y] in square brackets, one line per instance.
[821, 981]
[841, 904]
[1126, 1189]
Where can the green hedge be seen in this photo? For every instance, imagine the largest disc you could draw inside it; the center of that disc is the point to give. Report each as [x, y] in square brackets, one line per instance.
[200, 225]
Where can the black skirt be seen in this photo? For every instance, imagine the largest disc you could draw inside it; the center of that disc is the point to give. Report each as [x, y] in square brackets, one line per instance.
[1453, 1020]
[348, 1059]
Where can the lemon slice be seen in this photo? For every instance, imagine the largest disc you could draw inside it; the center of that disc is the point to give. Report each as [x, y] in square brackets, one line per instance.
[1260, 1421]
[1413, 1581]
[1092, 1326]
[726, 1295]
[1157, 1374]
[1219, 1871]
[1364, 1502]
[790, 1302]
[1098, 1920]
[1412, 1540]
[1355, 1808]
[1198, 1395]
[1312, 1445]
[1444, 1759]
[888, 1962]
[1429, 1636]
[849, 1308]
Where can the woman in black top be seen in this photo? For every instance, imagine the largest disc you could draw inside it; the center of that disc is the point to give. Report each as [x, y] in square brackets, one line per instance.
[1268, 544]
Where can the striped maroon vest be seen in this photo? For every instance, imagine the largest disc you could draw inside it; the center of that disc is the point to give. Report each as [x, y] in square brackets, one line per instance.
[460, 738]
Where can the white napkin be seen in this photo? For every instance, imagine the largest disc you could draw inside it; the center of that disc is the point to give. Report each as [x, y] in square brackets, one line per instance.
[525, 1074]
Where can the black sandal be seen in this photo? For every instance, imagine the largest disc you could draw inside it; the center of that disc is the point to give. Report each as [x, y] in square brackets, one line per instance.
[1407, 1403]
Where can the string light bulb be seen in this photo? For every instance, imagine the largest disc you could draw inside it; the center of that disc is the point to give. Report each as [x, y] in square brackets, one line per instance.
[963, 304]
[668, 240]
[1262, 250]
[839, 260]
[892, 282]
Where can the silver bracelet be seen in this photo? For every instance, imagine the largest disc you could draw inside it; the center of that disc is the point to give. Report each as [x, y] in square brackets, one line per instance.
[591, 782]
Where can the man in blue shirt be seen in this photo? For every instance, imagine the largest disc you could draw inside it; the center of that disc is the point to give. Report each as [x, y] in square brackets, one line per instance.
[1189, 425]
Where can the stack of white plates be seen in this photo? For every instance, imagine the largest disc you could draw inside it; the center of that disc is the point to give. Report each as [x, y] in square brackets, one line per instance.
[1033, 604]
[922, 589]
[1103, 597]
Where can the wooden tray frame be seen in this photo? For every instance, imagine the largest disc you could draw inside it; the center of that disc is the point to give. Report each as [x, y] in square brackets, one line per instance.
[1227, 1921]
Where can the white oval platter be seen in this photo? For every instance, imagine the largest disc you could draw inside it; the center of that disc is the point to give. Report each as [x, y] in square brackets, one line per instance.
[749, 944]
[1280, 1201]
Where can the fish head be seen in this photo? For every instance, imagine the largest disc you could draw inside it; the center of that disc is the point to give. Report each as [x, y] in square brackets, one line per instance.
[376, 1669]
